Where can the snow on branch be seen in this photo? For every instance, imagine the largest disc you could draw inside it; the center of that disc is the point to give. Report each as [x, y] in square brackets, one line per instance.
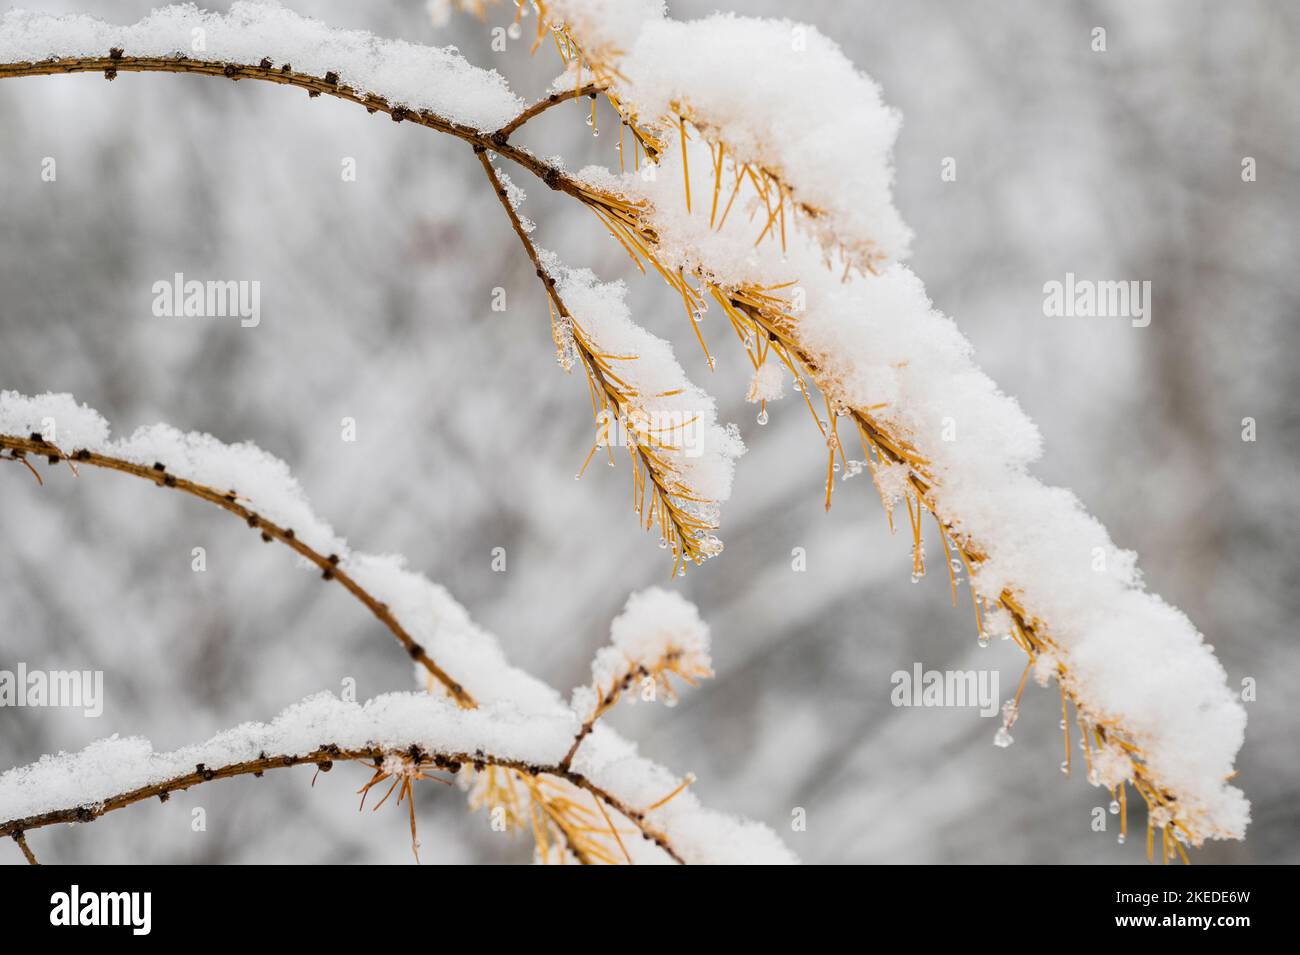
[659, 635]
[405, 74]
[768, 197]
[494, 708]
[779, 97]
[772, 204]
[241, 479]
[682, 458]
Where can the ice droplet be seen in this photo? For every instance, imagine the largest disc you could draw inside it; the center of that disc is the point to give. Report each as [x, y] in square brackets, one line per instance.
[1010, 712]
[1002, 738]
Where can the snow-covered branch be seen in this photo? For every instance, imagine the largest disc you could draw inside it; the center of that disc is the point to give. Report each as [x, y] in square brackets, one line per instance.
[240, 479]
[795, 274]
[769, 196]
[402, 735]
[497, 708]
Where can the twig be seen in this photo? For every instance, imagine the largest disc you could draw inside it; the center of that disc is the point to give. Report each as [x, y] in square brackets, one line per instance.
[605, 704]
[228, 500]
[686, 544]
[541, 106]
[21, 838]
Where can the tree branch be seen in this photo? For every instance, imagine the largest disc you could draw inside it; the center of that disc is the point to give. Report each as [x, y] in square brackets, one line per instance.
[284, 75]
[19, 448]
[325, 756]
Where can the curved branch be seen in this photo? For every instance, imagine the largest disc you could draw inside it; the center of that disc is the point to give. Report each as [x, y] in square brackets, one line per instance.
[325, 756]
[19, 448]
[1028, 630]
[118, 62]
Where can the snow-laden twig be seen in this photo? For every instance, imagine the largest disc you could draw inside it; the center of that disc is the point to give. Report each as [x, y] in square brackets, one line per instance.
[682, 458]
[659, 635]
[812, 176]
[240, 479]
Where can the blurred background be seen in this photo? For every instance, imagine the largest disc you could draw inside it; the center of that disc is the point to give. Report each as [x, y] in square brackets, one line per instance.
[376, 300]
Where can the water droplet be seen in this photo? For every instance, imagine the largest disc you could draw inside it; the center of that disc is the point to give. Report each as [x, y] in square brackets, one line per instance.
[984, 640]
[762, 417]
[1120, 839]
[1002, 739]
[514, 31]
[1114, 807]
[663, 543]
[578, 476]
[1065, 765]
[1061, 725]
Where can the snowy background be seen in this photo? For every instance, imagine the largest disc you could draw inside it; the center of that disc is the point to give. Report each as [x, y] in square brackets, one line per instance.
[376, 305]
